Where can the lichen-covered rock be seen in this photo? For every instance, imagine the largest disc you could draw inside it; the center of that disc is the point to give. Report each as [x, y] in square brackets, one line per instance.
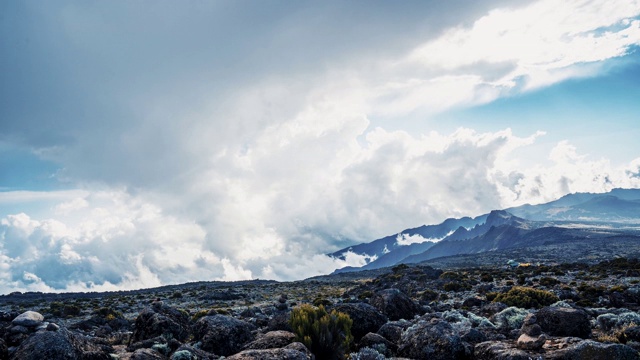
[270, 354]
[393, 330]
[60, 345]
[271, 340]
[186, 352]
[434, 340]
[373, 340]
[497, 350]
[28, 319]
[592, 350]
[559, 321]
[510, 318]
[222, 335]
[395, 304]
[160, 320]
[366, 318]
[147, 354]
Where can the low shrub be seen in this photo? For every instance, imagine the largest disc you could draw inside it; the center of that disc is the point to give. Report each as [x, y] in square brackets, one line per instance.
[526, 298]
[327, 335]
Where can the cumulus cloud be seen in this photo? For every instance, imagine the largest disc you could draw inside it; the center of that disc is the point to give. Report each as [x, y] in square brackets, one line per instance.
[211, 174]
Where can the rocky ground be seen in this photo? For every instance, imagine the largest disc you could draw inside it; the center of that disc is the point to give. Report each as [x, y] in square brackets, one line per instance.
[535, 311]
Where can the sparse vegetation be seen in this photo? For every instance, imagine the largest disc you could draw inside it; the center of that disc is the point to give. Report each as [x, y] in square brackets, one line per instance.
[327, 335]
[526, 298]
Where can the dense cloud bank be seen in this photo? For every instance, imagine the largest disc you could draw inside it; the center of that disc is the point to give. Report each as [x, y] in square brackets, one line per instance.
[192, 157]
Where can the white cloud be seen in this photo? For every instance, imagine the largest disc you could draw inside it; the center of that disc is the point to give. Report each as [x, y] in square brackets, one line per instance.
[259, 181]
[406, 239]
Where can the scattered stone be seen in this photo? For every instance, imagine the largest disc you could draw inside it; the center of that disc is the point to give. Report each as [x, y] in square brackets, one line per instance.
[374, 340]
[159, 320]
[592, 350]
[529, 326]
[395, 304]
[366, 318]
[393, 330]
[222, 335]
[147, 354]
[527, 342]
[271, 340]
[28, 319]
[60, 345]
[52, 327]
[435, 340]
[497, 350]
[559, 321]
[270, 354]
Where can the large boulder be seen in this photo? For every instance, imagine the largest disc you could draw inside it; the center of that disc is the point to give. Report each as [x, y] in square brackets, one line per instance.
[60, 345]
[393, 330]
[497, 350]
[272, 340]
[147, 354]
[272, 354]
[592, 350]
[365, 318]
[222, 335]
[160, 320]
[395, 304]
[4, 351]
[28, 319]
[434, 340]
[559, 321]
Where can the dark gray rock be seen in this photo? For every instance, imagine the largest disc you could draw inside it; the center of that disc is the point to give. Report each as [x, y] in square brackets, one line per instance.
[4, 351]
[434, 340]
[270, 354]
[366, 318]
[395, 304]
[559, 321]
[186, 352]
[280, 321]
[222, 335]
[160, 320]
[498, 350]
[147, 354]
[529, 326]
[60, 345]
[271, 340]
[371, 340]
[592, 350]
[393, 330]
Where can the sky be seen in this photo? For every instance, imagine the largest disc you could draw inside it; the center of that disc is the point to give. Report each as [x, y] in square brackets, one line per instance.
[159, 142]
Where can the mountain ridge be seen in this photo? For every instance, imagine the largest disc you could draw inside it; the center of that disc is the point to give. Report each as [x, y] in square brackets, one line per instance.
[501, 229]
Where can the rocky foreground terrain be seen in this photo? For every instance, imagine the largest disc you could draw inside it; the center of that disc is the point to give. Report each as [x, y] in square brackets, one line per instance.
[515, 311]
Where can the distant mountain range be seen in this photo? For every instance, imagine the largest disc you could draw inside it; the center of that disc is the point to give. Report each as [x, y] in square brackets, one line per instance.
[572, 217]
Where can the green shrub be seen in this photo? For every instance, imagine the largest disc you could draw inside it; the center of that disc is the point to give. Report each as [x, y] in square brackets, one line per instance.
[428, 295]
[486, 277]
[450, 275]
[399, 268]
[548, 281]
[327, 335]
[456, 286]
[526, 298]
[321, 301]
